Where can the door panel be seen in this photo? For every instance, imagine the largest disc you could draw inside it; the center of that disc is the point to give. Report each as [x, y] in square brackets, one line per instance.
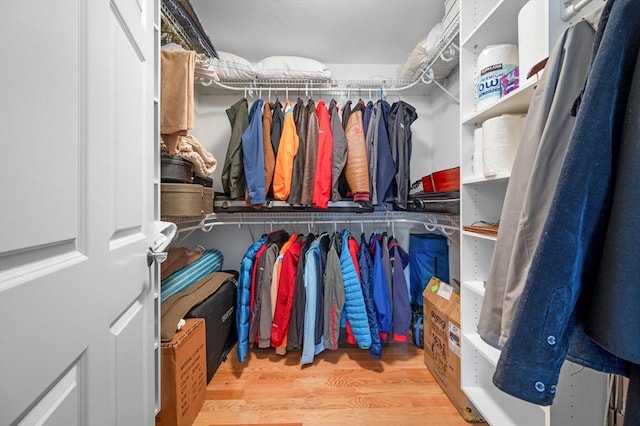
[29, 148]
[76, 294]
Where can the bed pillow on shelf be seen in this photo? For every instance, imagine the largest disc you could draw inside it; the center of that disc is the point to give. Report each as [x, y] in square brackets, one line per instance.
[421, 53]
[233, 67]
[285, 67]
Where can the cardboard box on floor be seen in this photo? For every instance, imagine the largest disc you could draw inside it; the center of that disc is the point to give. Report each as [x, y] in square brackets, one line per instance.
[183, 375]
[441, 310]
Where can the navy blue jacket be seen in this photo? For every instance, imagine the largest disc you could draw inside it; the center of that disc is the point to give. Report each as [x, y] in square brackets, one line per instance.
[570, 264]
[386, 168]
[365, 263]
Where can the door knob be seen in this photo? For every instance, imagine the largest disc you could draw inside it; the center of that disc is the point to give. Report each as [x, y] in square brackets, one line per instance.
[157, 256]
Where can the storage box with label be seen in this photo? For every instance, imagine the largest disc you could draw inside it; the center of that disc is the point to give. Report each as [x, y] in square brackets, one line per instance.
[183, 375]
[441, 310]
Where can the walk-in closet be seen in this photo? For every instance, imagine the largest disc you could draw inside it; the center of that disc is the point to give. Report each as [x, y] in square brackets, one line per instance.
[320, 212]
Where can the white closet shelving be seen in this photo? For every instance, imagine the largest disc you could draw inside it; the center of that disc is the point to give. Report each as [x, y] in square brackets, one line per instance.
[581, 397]
[431, 76]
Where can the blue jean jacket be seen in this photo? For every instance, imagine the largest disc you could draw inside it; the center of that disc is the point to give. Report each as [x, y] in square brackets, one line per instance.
[548, 325]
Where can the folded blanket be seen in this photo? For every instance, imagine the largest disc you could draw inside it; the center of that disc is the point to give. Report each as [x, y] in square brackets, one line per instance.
[188, 148]
[210, 261]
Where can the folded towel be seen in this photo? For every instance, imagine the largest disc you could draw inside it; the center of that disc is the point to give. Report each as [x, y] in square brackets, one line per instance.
[177, 79]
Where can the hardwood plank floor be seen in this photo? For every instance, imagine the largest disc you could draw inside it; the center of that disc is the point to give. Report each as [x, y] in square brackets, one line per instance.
[343, 387]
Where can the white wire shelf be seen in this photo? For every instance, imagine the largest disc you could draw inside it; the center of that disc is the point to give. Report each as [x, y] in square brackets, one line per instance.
[433, 73]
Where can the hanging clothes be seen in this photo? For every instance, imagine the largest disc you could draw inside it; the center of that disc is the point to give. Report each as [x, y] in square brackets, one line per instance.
[276, 126]
[366, 116]
[381, 296]
[254, 308]
[339, 157]
[325, 242]
[401, 117]
[284, 299]
[233, 170]
[536, 167]
[260, 318]
[580, 298]
[253, 155]
[311, 264]
[269, 155]
[356, 169]
[324, 166]
[365, 264]
[371, 140]
[311, 154]
[296, 323]
[385, 167]
[287, 152]
[401, 307]
[242, 298]
[334, 297]
[354, 306]
[300, 119]
[346, 113]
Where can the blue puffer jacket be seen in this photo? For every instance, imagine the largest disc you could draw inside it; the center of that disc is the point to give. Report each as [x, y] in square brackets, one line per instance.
[366, 275]
[243, 298]
[354, 301]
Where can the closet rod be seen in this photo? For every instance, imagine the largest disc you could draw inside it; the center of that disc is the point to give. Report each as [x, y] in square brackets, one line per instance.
[431, 223]
[570, 9]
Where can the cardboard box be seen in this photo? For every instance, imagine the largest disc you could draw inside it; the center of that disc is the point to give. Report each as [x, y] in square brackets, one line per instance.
[183, 375]
[442, 336]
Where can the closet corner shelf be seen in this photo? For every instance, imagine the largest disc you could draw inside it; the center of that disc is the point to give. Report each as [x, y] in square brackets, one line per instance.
[490, 353]
[481, 179]
[476, 287]
[480, 236]
[434, 72]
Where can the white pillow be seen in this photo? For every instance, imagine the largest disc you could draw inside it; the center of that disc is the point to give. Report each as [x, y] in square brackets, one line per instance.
[275, 67]
[233, 67]
[421, 53]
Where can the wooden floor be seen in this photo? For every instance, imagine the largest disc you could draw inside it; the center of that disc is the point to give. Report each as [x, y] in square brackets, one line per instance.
[343, 387]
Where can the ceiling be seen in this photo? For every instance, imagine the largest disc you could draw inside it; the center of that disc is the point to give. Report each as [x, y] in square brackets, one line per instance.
[330, 31]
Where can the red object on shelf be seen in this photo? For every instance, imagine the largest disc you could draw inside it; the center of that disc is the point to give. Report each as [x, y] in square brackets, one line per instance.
[446, 180]
[427, 184]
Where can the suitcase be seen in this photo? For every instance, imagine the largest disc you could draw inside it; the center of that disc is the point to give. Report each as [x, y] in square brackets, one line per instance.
[175, 170]
[219, 313]
[179, 170]
[210, 261]
[185, 200]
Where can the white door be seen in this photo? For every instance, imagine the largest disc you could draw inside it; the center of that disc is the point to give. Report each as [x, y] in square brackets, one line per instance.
[76, 211]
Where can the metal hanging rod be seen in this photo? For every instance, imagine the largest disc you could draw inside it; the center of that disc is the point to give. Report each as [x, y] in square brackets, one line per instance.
[571, 9]
[444, 223]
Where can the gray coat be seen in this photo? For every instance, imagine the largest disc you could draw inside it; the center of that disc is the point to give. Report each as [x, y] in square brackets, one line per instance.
[534, 175]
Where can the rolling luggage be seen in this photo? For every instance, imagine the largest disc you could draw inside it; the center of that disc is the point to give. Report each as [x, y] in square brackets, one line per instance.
[219, 313]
